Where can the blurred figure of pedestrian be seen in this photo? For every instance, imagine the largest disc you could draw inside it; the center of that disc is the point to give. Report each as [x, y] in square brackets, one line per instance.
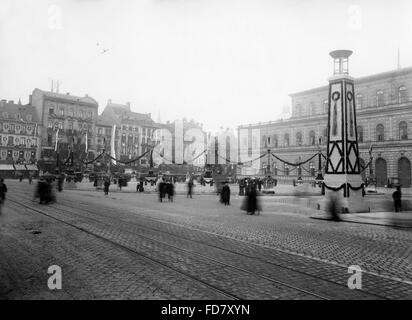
[397, 199]
[189, 188]
[259, 182]
[60, 180]
[225, 194]
[30, 179]
[333, 207]
[106, 185]
[120, 183]
[251, 204]
[170, 190]
[140, 186]
[162, 190]
[3, 191]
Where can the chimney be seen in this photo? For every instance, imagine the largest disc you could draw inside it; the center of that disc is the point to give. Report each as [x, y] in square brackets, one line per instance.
[30, 97]
[68, 93]
[11, 101]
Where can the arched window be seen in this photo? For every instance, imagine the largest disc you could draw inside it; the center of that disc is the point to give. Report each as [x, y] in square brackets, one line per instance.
[403, 130]
[312, 138]
[286, 170]
[299, 138]
[402, 95]
[380, 134]
[264, 141]
[286, 140]
[269, 141]
[379, 98]
[360, 133]
[275, 140]
[359, 101]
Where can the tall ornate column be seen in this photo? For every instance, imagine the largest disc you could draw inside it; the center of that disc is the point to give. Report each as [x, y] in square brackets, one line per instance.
[343, 176]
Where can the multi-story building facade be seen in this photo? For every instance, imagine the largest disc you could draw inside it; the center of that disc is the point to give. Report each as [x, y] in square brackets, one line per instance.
[70, 119]
[134, 131]
[19, 126]
[384, 119]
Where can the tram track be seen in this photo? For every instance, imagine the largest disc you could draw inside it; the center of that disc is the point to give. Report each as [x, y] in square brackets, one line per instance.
[223, 293]
[139, 225]
[188, 252]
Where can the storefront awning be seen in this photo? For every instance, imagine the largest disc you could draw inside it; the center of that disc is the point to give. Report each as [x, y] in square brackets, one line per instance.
[20, 167]
[32, 167]
[5, 167]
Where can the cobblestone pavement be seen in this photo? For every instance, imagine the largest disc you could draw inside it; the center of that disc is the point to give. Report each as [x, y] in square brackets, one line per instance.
[132, 246]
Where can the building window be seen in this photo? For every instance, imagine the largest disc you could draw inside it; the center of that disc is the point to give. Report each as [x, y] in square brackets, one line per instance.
[299, 138]
[312, 109]
[403, 130]
[312, 169]
[5, 115]
[49, 124]
[312, 138]
[286, 140]
[99, 131]
[359, 101]
[380, 136]
[402, 94]
[29, 117]
[18, 116]
[51, 110]
[275, 140]
[61, 112]
[325, 106]
[286, 169]
[360, 133]
[298, 110]
[379, 98]
[71, 112]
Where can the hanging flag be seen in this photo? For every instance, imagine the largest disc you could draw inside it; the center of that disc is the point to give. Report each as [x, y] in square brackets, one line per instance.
[57, 140]
[112, 149]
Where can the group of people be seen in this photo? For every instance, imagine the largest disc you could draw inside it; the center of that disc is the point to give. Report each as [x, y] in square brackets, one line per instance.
[166, 188]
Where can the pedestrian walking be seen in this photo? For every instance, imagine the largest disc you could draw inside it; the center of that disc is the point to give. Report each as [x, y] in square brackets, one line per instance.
[225, 195]
[30, 179]
[397, 199]
[106, 186]
[3, 191]
[251, 204]
[189, 188]
[60, 180]
[170, 191]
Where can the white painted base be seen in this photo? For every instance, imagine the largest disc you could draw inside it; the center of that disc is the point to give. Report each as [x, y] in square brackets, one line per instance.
[353, 203]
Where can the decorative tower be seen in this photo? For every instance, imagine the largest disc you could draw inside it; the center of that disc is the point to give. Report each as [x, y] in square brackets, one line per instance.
[343, 173]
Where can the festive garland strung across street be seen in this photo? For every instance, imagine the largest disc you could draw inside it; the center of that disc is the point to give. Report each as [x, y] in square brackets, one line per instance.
[242, 163]
[294, 164]
[361, 187]
[200, 154]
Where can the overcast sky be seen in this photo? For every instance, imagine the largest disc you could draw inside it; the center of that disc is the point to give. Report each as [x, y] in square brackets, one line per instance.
[221, 62]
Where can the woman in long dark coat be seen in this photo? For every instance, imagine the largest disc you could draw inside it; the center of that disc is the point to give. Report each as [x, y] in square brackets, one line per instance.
[251, 204]
[225, 195]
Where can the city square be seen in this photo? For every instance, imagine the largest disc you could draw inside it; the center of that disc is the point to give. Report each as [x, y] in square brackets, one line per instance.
[293, 183]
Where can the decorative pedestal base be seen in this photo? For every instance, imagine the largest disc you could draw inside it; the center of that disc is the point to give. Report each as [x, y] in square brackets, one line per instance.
[346, 192]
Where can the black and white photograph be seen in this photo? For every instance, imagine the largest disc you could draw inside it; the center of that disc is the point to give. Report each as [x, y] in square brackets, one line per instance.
[205, 151]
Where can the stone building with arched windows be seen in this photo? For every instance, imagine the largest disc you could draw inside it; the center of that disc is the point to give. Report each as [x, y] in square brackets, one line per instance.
[384, 120]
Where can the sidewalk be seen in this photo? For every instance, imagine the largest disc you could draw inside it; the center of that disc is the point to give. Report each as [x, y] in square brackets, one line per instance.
[390, 219]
